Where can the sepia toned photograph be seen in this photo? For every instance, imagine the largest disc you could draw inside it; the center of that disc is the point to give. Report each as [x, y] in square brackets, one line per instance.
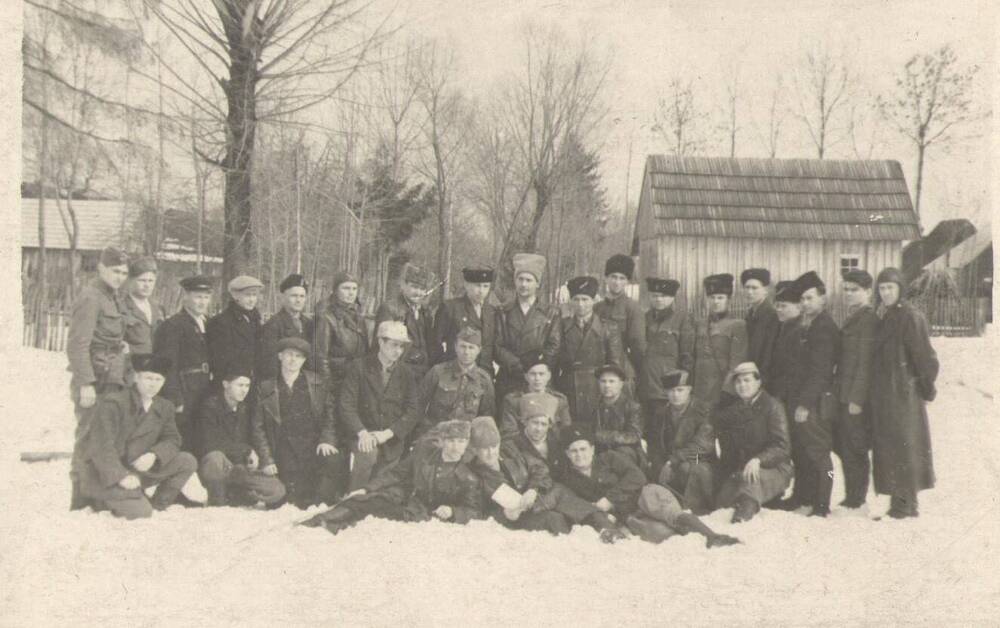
[527, 312]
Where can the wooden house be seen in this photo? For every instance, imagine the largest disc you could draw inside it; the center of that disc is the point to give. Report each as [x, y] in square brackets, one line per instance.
[700, 216]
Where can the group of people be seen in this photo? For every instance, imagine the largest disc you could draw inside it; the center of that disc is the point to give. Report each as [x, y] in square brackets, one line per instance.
[627, 421]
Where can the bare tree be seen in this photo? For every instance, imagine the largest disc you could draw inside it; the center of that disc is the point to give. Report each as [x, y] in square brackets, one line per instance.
[865, 128]
[769, 131]
[493, 172]
[931, 101]
[733, 102]
[822, 90]
[678, 119]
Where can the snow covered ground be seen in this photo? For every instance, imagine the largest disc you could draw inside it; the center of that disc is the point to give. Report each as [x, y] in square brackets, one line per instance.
[190, 567]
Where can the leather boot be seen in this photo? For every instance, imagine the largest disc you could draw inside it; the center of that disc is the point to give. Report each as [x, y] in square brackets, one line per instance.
[824, 488]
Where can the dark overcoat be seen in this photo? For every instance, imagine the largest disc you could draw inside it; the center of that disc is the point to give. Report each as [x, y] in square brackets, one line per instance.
[267, 420]
[180, 340]
[786, 362]
[420, 330]
[669, 346]
[619, 424]
[757, 429]
[224, 430]
[626, 313]
[521, 338]
[719, 346]
[282, 325]
[365, 404]
[341, 335]
[854, 367]
[457, 314]
[762, 331]
[233, 336]
[819, 351]
[583, 351]
[685, 436]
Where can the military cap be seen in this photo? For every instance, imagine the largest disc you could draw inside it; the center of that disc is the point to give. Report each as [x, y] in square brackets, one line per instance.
[666, 287]
[861, 277]
[787, 292]
[718, 284]
[530, 263]
[762, 275]
[113, 256]
[141, 265]
[294, 280]
[471, 335]
[891, 275]
[620, 264]
[534, 360]
[610, 368]
[575, 433]
[455, 428]
[537, 404]
[582, 285]
[150, 363]
[237, 370]
[810, 280]
[478, 275]
[483, 433]
[675, 378]
[198, 283]
[244, 282]
[296, 343]
[418, 276]
[393, 330]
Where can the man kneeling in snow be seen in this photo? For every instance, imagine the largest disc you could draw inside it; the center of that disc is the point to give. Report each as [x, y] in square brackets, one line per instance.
[133, 443]
[432, 482]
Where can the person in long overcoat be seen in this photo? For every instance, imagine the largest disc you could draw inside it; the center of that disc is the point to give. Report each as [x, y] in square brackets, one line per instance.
[626, 313]
[786, 361]
[469, 310]
[409, 306]
[761, 319]
[341, 333]
[290, 321]
[669, 343]
[904, 371]
[720, 342]
[234, 334]
[142, 313]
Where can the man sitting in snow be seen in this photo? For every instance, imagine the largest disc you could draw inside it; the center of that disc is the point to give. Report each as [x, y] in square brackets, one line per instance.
[432, 482]
[133, 443]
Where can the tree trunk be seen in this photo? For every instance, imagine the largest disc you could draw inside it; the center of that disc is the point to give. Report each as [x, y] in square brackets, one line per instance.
[921, 149]
[444, 220]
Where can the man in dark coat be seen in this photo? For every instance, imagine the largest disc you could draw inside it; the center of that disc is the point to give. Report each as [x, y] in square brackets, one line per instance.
[525, 326]
[470, 310]
[618, 424]
[295, 432]
[290, 321]
[408, 306]
[851, 428]
[132, 444]
[456, 389]
[761, 319]
[379, 404]
[181, 340]
[341, 331]
[625, 312]
[229, 469]
[588, 343]
[786, 361]
[813, 399]
[669, 343]
[234, 334]
[142, 314]
[432, 482]
[537, 377]
[720, 342]
[904, 370]
[96, 349]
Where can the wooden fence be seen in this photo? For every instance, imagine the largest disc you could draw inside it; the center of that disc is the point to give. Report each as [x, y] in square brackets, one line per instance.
[954, 316]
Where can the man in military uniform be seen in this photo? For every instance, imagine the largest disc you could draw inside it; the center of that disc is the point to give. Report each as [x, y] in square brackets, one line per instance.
[669, 344]
[470, 310]
[761, 319]
[851, 427]
[720, 342]
[142, 314]
[96, 349]
[525, 327]
[625, 312]
[181, 340]
[588, 343]
[290, 321]
[458, 388]
[619, 418]
[234, 334]
[409, 307]
[537, 378]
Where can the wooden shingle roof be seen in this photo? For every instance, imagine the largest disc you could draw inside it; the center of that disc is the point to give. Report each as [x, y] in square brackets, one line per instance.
[775, 198]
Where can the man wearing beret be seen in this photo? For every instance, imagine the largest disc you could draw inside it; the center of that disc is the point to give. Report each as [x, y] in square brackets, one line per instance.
[537, 379]
[409, 307]
[625, 312]
[618, 423]
[96, 348]
[851, 427]
[525, 326]
[290, 321]
[234, 334]
[430, 483]
[761, 319]
[142, 314]
[470, 310]
[181, 340]
[812, 396]
[588, 343]
[458, 388]
[295, 431]
[230, 467]
[720, 342]
[669, 343]
[132, 444]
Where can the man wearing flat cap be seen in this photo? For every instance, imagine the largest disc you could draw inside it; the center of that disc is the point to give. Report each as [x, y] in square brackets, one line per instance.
[458, 388]
[379, 404]
[525, 327]
[761, 319]
[181, 340]
[431, 483]
[290, 321]
[618, 424]
[96, 348]
[669, 344]
[132, 444]
[295, 430]
[469, 310]
[720, 342]
[588, 343]
[142, 314]
[234, 334]
[409, 306]
[625, 312]
[537, 380]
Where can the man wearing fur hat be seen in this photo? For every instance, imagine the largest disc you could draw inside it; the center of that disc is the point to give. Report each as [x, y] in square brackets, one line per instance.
[341, 331]
[96, 348]
[431, 483]
[669, 343]
[720, 342]
[525, 327]
[761, 319]
[625, 312]
[142, 314]
[618, 424]
[290, 321]
[458, 388]
[234, 334]
[588, 342]
[537, 378]
[469, 310]
[409, 306]
[132, 444]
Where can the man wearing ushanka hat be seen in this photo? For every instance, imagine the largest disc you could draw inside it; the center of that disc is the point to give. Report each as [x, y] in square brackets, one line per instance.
[669, 343]
[720, 342]
[761, 319]
[289, 321]
[625, 312]
[468, 310]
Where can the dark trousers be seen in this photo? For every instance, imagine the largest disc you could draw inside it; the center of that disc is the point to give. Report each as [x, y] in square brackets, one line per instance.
[313, 480]
[548, 520]
[169, 478]
[694, 482]
[364, 465]
[851, 442]
[235, 484]
[812, 443]
[83, 418]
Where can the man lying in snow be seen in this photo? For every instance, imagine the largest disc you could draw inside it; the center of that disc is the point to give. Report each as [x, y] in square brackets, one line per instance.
[433, 481]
